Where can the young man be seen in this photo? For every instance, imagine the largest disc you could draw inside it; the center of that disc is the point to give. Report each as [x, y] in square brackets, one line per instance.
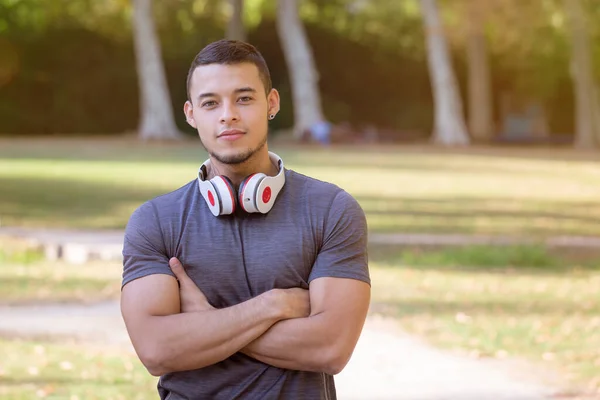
[252, 281]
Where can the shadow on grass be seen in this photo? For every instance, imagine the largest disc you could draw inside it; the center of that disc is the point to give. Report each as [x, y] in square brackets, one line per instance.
[91, 149]
[68, 203]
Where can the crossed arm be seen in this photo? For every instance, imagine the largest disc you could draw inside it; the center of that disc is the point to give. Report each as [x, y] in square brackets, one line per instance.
[325, 340]
[174, 328]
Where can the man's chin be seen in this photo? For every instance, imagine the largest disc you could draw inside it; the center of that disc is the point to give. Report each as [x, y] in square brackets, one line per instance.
[232, 158]
[237, 156]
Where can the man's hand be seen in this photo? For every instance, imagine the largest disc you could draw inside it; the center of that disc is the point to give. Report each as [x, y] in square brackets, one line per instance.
[295, 302]
[292, 303]
[191, 297]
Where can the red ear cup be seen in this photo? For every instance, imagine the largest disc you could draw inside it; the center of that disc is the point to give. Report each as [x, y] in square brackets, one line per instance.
[240, 196]
[256, 193]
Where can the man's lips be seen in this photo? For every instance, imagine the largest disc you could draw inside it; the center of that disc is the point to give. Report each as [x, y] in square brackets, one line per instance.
[231, 134]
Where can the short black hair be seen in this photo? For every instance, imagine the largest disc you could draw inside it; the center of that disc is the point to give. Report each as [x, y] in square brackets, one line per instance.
[227, 51]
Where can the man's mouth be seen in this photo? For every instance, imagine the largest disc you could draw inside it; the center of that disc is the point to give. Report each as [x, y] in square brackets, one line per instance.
[231, 134]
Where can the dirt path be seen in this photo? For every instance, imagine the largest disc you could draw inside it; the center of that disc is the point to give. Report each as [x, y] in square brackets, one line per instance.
[386, 364]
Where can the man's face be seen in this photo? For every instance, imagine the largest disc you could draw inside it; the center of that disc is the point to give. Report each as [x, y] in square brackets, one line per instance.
[230, 110]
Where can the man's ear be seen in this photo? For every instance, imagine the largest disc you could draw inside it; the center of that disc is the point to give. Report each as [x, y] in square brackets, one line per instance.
[273, 102]
[188, 110]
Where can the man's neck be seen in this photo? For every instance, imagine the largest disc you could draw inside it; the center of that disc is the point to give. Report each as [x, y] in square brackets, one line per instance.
[259, 162]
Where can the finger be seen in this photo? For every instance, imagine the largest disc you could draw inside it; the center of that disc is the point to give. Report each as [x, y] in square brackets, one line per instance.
[178, 269]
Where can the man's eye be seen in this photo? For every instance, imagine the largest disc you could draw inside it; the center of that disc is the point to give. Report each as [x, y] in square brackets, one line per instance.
[245, 99]
[209, 103]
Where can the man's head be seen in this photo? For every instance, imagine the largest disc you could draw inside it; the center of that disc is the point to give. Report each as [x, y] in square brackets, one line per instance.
[230, 99]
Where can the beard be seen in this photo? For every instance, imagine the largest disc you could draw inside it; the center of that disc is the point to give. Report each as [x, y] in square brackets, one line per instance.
[239, 158]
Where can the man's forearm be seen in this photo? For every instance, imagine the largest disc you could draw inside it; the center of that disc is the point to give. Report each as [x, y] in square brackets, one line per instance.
[303, 344]
[197, 339]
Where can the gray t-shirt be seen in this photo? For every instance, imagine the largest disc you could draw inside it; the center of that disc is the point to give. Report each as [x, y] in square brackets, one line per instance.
[315, 229]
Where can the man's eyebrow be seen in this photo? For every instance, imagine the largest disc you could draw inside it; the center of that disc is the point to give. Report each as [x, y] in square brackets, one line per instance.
[204, 95]
[245, 89]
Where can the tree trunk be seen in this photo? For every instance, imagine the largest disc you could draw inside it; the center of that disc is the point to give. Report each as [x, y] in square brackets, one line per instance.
[596, 111]
[449, 123]
[156, 110]
[581, 71]
[480, 99]
[235, 27]
[301, 67]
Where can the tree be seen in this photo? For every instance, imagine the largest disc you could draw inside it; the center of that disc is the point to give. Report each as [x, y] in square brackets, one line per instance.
[301, 67]
[156, 110]
[586, 131]
[235, 26]
[449, 125]
[480, 97]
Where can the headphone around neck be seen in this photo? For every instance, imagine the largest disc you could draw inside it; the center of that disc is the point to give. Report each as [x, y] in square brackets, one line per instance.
[256, 194]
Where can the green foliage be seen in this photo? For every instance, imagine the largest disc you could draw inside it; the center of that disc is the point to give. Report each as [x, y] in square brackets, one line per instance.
[75, 69]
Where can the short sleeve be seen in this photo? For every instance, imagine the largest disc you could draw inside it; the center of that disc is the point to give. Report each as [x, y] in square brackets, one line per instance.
[143, 246]
[343, 253]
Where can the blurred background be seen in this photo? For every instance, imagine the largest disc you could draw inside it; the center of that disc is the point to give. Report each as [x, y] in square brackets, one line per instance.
[468, 131]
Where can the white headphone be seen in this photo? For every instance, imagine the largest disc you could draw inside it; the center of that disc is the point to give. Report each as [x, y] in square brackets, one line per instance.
[257, 192]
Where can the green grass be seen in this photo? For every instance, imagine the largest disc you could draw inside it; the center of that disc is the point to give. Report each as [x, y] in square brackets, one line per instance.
[97, 183]
[549, 316]
[523, 301]
[492, 257]
[53, 371]
[27, 278]
[511, 302]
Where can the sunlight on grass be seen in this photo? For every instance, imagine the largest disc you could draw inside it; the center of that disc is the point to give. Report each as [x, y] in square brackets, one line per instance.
[33, 370]
[98, 183]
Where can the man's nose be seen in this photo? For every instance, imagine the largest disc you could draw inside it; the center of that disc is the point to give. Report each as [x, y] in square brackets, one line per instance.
[230, 114]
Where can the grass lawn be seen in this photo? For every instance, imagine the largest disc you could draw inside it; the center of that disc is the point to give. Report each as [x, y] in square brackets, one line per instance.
[97, 183]
[62, 371]
[26, 277]
[525, 303]
[545, 312]
[485, 302]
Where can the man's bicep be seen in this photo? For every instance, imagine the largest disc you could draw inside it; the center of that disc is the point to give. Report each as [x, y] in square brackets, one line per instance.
[344, 302]
[147, 297]
[142, 301]
[152, 295]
